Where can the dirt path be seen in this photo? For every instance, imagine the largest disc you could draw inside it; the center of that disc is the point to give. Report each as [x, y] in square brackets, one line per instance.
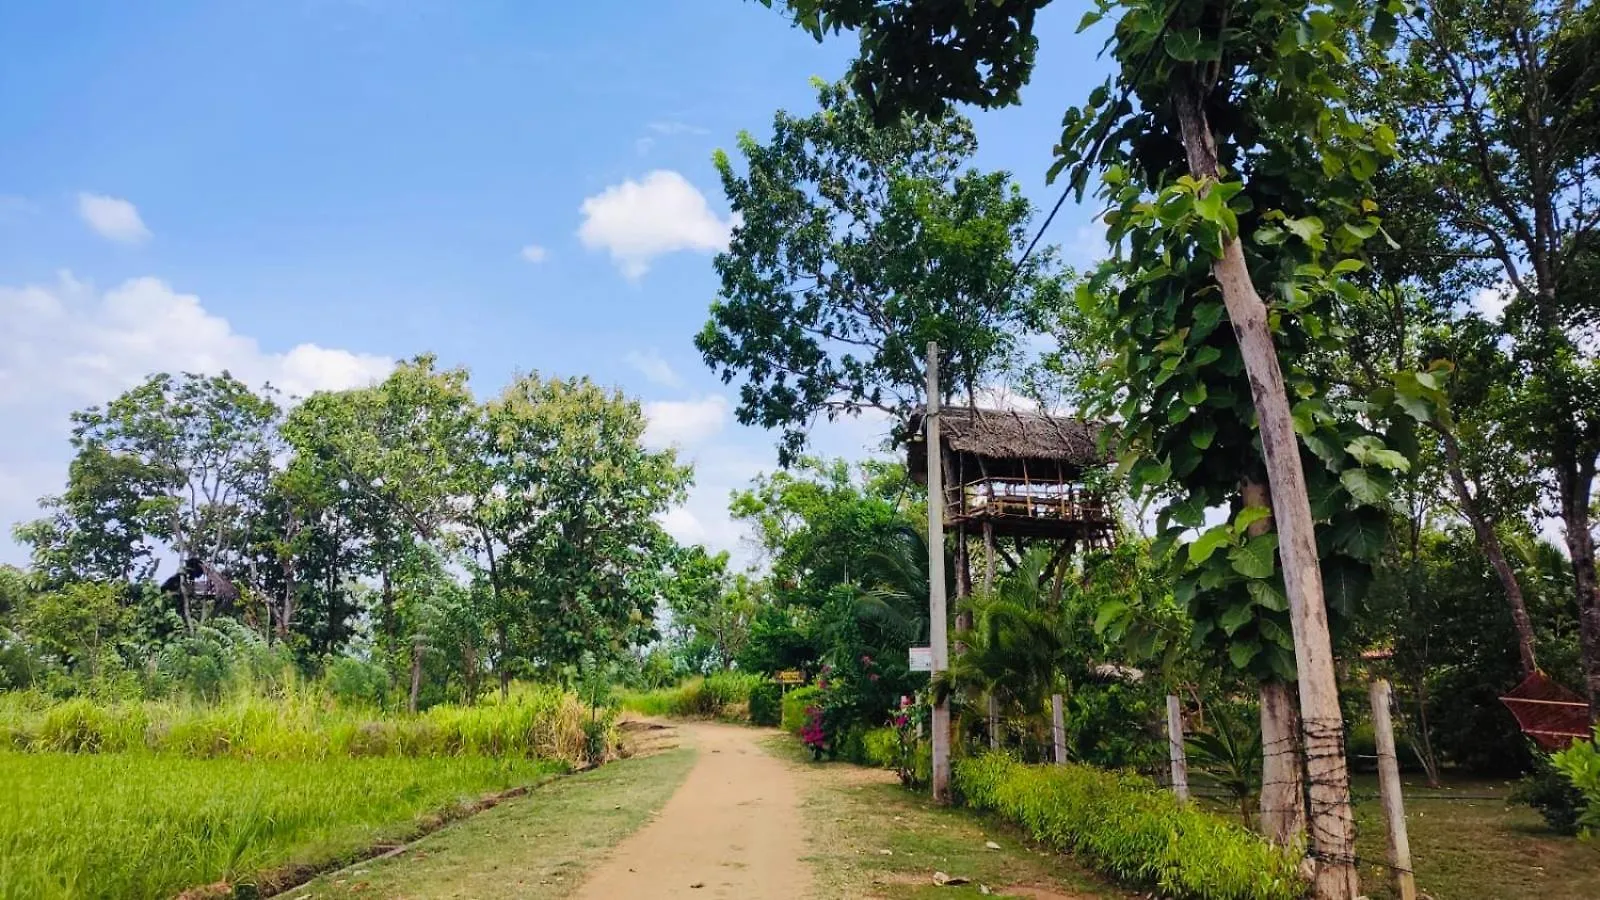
[732, 830]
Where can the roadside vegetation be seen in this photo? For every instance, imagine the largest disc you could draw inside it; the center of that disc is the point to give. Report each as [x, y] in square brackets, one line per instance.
[138, 825]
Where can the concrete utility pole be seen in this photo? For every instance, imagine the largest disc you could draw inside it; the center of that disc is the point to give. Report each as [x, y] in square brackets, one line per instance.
[938, 636]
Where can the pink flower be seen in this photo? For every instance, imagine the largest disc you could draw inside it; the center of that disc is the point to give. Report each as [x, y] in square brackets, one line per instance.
[873, 676]
[904, 701]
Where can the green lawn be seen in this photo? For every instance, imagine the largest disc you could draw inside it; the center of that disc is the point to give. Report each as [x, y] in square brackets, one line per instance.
[1465, 848]
[534, 847]
[138, 825]
[856, 814]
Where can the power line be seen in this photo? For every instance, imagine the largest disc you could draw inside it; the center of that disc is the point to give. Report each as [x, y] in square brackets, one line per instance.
[1099, 142]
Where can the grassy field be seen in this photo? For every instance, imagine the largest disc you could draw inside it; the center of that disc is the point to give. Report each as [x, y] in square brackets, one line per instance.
[1467, 848]
[858, 813]
[535, 847]
[139, 825]
[537, 722]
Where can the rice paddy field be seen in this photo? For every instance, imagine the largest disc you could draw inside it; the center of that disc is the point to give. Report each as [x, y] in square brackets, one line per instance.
[143, 825]
[150, 799]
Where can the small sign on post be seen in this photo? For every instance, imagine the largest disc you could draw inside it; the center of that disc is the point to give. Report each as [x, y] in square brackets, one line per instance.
[921, 659]
[790, 676]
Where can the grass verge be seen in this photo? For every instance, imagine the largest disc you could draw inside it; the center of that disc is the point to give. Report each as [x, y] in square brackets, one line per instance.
[537, 846]
[136, 825]
[857, 813]
[1467, 843]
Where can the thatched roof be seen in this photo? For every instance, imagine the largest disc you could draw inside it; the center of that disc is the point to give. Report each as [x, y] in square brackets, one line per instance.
[1011, 434]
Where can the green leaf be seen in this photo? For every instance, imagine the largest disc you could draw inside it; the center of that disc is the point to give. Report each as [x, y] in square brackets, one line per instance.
[1236, 617]
[1242, 653]
[1367, 486]
[1207, 544]
[1088, 20]
[1203, 434]
[1249, 516]
[1185, 46]
[1257, 557]
[1265, 592]
[1195, 394]
[1361, 534]
[1109, 612]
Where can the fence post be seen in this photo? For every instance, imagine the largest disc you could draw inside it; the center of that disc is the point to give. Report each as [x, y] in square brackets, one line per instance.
[1394, 813]
[1058, 729]
[1180, 762]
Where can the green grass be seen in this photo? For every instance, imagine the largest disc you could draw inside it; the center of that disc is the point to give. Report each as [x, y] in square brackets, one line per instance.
[1469, 848]
[535, 847]
[139, 825]
[724, 694]
[299, 723]
[856, 813]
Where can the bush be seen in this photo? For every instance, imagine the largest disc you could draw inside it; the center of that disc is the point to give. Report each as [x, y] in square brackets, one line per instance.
[766, 704]
[1552, 794]
[1127, 827]
[795, 702]
[880, 747]
[1580, 763]
[355, 682]
[723, 694]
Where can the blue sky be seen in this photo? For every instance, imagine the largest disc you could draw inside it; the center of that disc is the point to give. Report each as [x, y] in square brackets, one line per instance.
[305, 190]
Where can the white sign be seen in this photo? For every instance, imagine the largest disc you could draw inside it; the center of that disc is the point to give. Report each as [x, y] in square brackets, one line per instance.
[921, 659]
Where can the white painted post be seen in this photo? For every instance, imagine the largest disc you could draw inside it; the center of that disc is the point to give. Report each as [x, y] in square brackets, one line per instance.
[1058, 728]
[1180, 762]
[1394, 813]
[938, 626]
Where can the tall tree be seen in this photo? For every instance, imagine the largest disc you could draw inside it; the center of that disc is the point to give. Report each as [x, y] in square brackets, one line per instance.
[1212, 84]
[860, 242]
[178, 463]
[386, 459]
[563, 506]
[1498, 105]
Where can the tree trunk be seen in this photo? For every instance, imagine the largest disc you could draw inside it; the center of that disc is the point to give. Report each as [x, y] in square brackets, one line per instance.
[1332, 821]
[416, 674]
[386, 592]
[1489, 542]
[1283, 799]
[994, 722]
[1576, 493]
[469, 676]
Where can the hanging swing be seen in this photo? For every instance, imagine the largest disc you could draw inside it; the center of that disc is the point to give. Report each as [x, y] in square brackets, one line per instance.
[1547, 712]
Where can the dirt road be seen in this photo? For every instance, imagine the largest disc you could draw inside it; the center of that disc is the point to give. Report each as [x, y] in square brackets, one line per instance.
[732, 830]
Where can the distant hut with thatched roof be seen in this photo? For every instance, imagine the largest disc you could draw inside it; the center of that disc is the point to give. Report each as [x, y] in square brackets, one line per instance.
[1017, 474]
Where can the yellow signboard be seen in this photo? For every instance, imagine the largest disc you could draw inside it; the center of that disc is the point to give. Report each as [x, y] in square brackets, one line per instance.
[790, 676]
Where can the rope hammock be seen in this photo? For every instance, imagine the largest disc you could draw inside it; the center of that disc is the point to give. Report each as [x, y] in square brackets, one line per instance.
[1547, 712]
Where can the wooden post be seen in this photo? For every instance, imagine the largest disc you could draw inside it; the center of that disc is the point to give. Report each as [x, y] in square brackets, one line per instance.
[938, 623]
[1058, 728]
[1394, 813]
[1180, 762]
[988, 555]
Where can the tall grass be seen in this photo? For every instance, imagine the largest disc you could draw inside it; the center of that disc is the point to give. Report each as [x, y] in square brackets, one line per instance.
[724, 694]
[138, 825]
[301, 723]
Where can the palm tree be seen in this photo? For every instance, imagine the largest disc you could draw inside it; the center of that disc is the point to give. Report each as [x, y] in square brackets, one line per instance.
[1019, 645]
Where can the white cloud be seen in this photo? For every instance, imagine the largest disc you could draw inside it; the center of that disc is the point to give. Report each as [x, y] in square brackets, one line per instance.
[67, 345]
[112, 218]
[654, 367]
[534, 253]
[637, 221]
[684, 423]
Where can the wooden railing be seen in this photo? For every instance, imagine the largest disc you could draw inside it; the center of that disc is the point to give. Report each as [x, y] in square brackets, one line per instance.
[1023, 498]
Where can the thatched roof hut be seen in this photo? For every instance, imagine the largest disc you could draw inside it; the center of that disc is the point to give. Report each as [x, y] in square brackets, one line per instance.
[1002, 442]
[1017, 473]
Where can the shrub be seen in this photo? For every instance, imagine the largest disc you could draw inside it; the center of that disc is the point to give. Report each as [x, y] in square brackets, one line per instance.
[355, 682]
[722, 694]
[1581, 764]
[1126, 826]
[766, 703]
[880, 747]
[1552, 794]
[795, 702]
